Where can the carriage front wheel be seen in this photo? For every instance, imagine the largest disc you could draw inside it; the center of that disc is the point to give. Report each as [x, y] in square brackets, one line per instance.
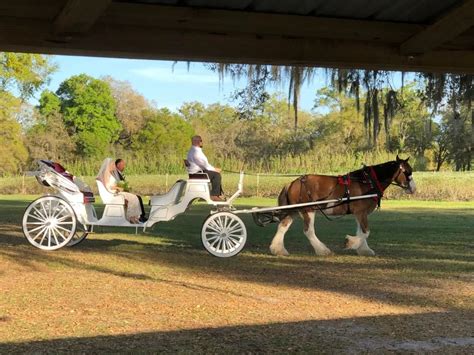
[223, 234]
[49, 223]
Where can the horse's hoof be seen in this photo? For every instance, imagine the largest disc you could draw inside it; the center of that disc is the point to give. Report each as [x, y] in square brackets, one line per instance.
[324, 252]
[352, 242]
[365, 252]
[279, 252]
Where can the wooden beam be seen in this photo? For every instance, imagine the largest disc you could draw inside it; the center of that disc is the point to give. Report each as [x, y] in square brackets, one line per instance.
[241, 22]
[78, 16]
[155, 43]
[444, 30]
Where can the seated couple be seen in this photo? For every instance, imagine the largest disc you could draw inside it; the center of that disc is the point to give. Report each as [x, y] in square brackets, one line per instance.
[197, 162]
[111, 174]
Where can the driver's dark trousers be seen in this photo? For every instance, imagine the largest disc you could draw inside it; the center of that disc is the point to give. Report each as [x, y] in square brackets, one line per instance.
[215, 177]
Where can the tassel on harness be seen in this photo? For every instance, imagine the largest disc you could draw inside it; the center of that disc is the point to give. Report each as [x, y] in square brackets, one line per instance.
[345, 180]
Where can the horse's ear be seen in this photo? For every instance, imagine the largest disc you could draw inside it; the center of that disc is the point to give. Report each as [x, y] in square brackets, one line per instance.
[398, 159]
[407, 159]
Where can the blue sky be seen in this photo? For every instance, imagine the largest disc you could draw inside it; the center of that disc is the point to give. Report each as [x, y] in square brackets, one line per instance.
[160, 83]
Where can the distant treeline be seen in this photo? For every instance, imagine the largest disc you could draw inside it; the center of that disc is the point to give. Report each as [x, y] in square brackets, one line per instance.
[87, 119]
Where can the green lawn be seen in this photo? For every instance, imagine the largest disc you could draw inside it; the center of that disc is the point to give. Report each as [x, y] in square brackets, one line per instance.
[161, 292]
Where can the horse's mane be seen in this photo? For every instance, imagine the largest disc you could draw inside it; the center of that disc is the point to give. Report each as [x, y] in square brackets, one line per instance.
[383, 171]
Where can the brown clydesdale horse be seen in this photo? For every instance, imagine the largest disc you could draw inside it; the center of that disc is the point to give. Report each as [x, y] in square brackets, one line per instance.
[369, 180]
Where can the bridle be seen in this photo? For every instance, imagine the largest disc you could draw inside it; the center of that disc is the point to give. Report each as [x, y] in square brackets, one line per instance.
[408, 177]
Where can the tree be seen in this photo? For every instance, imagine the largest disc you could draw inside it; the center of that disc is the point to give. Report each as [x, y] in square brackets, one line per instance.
[259, 77]
[130, 109]
[49, 104]
[48, 137]
[22, 75]
[217, 124]
[341, 127]
[13, 153]
[88, 109]
[165, 134]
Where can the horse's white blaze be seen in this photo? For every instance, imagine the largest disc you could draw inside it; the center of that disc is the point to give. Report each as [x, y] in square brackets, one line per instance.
[411, 185]
[277, 247]
[318, 246]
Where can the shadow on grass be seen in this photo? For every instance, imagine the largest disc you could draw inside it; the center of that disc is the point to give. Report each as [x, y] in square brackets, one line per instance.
[411, 255]
[443, 332]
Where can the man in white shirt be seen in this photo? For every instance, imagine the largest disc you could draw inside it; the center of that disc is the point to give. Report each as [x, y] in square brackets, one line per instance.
[198, 162]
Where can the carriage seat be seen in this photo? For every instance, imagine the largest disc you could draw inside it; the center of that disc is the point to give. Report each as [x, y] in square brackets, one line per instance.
[172, 197]
[199, 175]
[107, 197]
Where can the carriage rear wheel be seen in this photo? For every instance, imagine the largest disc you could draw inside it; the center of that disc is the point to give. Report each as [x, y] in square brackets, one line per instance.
[49, 223]
[82, 232]
[223, 234]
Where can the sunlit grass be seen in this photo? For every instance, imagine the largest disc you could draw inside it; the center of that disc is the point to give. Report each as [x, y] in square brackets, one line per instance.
[121, 292]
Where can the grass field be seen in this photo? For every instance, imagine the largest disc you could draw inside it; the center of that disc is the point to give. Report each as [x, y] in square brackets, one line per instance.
[442, 186]
[161, 291]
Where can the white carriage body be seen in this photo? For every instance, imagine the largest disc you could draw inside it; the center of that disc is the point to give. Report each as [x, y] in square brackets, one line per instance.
[164, 207]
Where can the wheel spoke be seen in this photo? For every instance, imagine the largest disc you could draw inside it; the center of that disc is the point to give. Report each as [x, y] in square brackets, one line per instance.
[61, 211]
[64, 229]
[35, 229]
[214, 228]
[212, 233]
[235, 234]
[65, 223]
[54, 235]
[235, 237]
[212, 238]
[43, 235]
[44, 209]
[55, 229]
[41, 220]
[236, 229]
[218, 222]
[217, 240]
[38, 212]
[49, 237]
[41, 232]
[233, 243]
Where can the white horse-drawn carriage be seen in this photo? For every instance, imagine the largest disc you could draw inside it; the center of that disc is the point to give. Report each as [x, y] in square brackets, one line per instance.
[65, 217]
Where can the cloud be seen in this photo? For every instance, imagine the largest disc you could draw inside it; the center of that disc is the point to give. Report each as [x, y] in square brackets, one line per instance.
[167, 75]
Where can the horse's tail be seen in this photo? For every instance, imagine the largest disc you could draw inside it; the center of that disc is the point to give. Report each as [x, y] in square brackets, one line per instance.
[283, 196]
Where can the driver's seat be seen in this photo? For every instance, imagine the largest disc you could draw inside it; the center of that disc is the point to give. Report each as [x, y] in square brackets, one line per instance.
[199, 175]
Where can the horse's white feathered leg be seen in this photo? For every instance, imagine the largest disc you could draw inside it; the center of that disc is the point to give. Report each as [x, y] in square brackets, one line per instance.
[278, 247]
[319, 247]
[359, 242]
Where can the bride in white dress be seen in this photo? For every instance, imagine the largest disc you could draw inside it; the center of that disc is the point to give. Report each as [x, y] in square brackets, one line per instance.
[107, 174]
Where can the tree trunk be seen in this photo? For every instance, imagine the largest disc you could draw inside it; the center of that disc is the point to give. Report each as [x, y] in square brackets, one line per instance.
[470, 157]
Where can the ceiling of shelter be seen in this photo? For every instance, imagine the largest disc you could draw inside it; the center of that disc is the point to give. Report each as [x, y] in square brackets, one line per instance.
[423, 35]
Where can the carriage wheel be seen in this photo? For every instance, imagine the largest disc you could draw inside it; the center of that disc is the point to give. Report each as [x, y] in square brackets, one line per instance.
[49, 223]
[223, 234]
[81, 233]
